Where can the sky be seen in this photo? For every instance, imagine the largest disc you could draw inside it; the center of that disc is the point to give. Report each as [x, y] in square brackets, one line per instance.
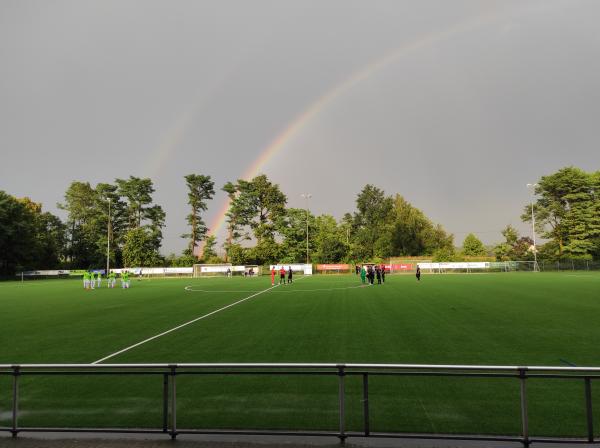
[454, 105]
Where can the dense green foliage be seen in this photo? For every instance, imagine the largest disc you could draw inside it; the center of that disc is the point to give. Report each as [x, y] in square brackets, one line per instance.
[472, 246]
[261, 229]
[29, 238]
[567, 212]
[514, 247]
[382, 226]
[133, 219]
[492, 319]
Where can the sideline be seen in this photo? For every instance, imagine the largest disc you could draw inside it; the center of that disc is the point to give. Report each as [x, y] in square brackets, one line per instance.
[182, 325]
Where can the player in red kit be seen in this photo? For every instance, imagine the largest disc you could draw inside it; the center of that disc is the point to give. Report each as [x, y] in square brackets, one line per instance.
[282, 276]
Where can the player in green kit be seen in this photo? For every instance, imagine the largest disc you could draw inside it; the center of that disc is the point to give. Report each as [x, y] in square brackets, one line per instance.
[125, 279]
[98, 279]
[86, 280]
[112, 279]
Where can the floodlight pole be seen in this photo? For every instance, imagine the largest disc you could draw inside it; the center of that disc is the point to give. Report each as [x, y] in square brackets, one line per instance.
[306, 196]
[535, 263]
[108, 240]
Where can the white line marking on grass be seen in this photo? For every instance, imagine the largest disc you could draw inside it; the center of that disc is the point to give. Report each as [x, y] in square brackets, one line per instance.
[182, 325]
[190, 289]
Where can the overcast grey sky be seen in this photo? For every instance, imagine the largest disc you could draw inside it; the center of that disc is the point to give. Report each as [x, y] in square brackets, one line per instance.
[456, 105]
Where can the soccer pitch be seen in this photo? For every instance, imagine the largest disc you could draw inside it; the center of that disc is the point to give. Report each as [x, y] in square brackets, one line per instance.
[484, 319]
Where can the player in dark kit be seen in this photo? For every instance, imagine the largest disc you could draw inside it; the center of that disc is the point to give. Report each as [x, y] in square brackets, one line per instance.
[418, 274]
[383, 273]
[378, 274]
[290, 275]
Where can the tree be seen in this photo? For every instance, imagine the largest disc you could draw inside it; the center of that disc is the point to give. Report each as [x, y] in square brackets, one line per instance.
[292, 229]
[472, 246]
[201, 189]
[414, 234]
[29, 237]
[373, 221]
[17, 230]
[567, 211]
[139, 209]
[209, 248]
[259, 204]
[514, 247]
[50, 241]
[330, 240]
[139, 248]
[233, 225]
[83, 226]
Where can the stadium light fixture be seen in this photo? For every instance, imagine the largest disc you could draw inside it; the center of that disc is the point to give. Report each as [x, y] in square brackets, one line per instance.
[535, 263]
[306, 196]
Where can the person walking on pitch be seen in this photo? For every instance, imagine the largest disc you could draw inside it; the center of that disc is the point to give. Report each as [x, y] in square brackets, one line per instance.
[418, 274]
[112, 279]
[273, 276]
[378, 273]
[383, 273]
[86, 280]
[98, 279]
[290, 274]
[363, 275]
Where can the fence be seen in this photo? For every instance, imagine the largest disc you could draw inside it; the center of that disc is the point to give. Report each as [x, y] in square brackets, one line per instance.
[170, 372]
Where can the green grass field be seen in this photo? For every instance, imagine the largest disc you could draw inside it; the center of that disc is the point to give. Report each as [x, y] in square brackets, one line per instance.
[487, 319]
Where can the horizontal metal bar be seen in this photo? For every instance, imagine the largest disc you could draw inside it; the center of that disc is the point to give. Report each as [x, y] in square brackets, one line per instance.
[301, 373]
[435, 367]
[98, 430]
[393, 435]
[257, 432]
[390, 435]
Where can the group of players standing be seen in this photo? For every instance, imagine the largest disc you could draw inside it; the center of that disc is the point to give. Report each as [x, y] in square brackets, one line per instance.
[282, 274]
[93, 281]
[369, 272]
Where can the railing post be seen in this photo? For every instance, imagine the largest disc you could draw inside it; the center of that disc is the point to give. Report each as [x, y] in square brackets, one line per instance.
[15, 405]
[524, 416]
[173, 402]
[588, 409]
[366, 402]
[342, 400]
[165, 402]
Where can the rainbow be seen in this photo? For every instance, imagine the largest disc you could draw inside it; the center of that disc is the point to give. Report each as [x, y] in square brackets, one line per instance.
[317, 106]
[177, 132]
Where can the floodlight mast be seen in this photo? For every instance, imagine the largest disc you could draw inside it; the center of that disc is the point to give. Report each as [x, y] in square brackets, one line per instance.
[535, 262]
[306, 196]
[108, 240]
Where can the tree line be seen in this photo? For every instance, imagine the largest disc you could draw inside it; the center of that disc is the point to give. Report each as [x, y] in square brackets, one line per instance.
[262, 229]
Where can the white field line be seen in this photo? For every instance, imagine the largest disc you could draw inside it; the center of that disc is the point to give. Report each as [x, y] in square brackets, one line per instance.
[282, 291]
[182, 325]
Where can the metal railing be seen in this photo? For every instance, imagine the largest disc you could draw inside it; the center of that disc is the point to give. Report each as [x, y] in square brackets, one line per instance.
[170, 372]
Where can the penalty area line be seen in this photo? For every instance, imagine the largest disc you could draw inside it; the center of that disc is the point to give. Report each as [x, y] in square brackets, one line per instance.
[112, 355]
